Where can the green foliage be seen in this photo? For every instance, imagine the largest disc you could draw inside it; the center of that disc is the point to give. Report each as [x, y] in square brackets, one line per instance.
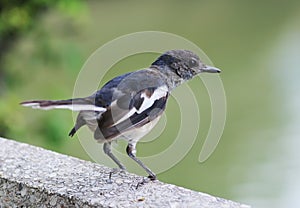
[34, 53]
[18, 16]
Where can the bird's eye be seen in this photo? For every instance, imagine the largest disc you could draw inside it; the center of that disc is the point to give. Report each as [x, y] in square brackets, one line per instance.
[193, 62]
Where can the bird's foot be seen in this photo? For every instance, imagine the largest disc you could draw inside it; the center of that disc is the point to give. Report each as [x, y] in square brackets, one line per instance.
[146, 180]
[114, 171]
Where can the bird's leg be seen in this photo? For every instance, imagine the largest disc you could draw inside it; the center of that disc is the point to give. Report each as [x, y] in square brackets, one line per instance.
[131, 153]
[107, 150]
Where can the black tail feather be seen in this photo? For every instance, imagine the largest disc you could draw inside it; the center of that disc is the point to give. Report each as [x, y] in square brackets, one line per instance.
[72, 132]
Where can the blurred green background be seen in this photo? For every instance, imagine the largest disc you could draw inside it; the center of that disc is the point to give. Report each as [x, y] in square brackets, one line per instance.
[44, 44]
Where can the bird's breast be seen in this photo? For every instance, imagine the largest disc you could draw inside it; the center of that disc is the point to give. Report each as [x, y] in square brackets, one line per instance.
[135, 134]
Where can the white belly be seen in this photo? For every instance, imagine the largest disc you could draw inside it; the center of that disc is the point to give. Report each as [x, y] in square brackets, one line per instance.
[135, 134]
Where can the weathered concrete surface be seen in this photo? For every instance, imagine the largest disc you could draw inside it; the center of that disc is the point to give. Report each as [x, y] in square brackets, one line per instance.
[33, 177]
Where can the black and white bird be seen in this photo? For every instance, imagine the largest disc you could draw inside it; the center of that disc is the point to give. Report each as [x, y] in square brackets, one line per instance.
[129, 106]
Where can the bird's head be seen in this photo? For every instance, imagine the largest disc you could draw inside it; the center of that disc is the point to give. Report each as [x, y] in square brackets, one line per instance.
[183, 63]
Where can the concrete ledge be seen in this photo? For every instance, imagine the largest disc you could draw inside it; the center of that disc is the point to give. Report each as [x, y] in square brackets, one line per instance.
[33, 177]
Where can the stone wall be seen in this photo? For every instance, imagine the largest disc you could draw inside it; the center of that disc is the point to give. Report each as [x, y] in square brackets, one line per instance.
[34, 177]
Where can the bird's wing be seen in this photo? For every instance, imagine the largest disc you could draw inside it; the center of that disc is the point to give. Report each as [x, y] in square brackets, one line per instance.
[136, 100]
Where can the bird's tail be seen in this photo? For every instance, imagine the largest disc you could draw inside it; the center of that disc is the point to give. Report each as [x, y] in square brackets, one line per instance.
[77, 104]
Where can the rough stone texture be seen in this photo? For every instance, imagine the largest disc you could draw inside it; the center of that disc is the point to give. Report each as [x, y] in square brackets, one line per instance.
[33, 177]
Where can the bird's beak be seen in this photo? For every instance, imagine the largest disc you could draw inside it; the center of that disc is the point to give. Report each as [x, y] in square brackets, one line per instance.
[210, 69]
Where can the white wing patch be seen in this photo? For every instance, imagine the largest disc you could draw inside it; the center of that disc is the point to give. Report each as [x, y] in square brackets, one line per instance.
[130, 113]
[149, 101]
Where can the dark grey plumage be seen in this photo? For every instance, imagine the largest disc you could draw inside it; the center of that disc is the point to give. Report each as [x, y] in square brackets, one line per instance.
[130, 105]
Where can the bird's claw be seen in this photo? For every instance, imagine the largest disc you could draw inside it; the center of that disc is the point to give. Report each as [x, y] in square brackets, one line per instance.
[114, 170]
[146, 180]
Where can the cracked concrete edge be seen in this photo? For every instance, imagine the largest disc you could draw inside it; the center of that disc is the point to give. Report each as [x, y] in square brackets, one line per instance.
[34, 177]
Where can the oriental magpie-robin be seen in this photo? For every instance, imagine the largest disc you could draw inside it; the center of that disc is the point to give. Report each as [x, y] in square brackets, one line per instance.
[129, 106]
